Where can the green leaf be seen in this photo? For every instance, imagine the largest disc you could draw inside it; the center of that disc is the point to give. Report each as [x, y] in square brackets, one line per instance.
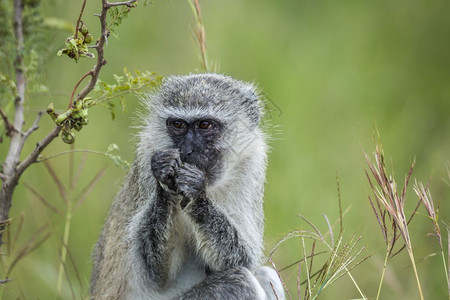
[112, 109]
[116, 159]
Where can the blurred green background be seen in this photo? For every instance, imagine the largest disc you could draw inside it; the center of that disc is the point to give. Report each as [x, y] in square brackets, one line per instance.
[332, 69]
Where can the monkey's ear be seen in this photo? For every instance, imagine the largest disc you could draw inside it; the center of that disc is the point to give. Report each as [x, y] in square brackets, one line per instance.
[252, 105]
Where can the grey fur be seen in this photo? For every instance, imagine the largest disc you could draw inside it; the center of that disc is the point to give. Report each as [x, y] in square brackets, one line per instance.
[191, 226]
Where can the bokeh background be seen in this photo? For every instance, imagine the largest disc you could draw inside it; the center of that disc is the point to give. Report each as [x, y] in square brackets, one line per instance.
[333, 70]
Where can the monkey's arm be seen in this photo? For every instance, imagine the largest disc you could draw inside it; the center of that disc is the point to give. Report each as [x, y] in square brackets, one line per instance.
[217, 238]
[156, 234]
[155, 237]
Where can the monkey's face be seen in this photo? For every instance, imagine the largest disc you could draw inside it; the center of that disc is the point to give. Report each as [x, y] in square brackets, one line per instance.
[197, 142]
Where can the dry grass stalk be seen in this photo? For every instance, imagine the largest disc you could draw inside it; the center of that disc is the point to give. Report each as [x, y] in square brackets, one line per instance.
[300, 261]
[388, 206]
[42, 199]
[299, 288]
[425, 197]
[29, 246]
[281, 279]
[342, 258]
[199, 33]
[12, 257]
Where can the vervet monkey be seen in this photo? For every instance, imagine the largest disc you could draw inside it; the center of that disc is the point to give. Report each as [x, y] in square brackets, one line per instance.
[188, 222]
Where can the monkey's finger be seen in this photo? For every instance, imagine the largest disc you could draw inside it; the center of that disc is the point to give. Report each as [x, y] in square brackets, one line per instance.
[172, 152]
[178, 161]
[187, 175]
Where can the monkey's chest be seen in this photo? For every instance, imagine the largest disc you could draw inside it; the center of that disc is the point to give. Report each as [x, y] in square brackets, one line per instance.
[190, 274]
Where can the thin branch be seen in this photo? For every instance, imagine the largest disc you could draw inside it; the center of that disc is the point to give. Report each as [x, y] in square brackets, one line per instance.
[4, 281]
[76, 86]
[130, 3]
[40, 146]
[34, 127]
[25, 135]
[8, 125]
[79, 19]
[101, 61]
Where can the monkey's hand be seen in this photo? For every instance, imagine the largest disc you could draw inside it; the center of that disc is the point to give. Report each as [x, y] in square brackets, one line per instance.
[191, 182]
[165, 165]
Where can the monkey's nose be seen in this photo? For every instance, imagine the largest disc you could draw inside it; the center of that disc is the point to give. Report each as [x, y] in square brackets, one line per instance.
[186, 150]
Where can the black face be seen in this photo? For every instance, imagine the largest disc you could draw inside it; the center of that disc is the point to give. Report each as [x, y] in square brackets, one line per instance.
[196, 141]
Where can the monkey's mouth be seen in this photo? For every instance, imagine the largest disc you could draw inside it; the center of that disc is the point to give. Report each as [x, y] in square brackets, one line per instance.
[203, 164]
[210, 164]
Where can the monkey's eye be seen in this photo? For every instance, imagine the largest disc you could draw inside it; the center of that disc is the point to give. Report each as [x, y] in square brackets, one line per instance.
[176, 126]
[204, 125]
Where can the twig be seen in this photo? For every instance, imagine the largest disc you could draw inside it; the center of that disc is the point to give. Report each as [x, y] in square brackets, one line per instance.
[123, 3]
[3, 281]
[34, 127]
[8, 126]
[77, 25]
[101, 61]
[40, 146]
[76, 86]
